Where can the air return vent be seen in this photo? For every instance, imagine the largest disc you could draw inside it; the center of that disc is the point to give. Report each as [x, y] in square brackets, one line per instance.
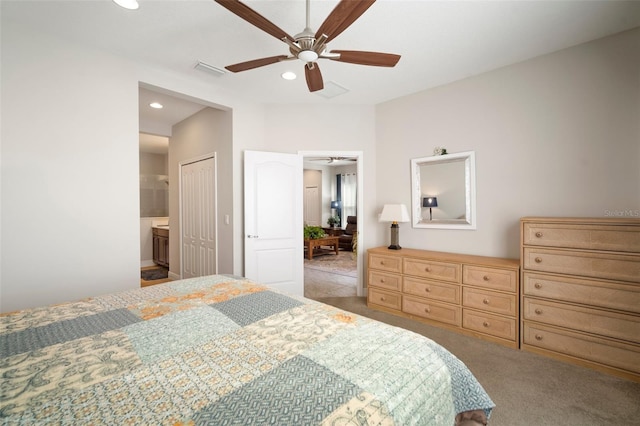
[202, 66]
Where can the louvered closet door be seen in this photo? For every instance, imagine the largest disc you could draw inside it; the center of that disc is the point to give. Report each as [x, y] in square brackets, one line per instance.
[198, 192]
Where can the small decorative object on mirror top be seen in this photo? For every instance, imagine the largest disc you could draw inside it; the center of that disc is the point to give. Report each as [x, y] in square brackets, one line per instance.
[439, 150]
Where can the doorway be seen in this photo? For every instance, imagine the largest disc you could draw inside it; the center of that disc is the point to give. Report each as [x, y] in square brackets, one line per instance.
[319, 280]
[193, 129]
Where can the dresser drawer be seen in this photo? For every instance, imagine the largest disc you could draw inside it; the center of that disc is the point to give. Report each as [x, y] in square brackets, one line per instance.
[624, 297]
[604, 323]
[594, 265]
[431, 269]
[591, 237]
[387, 299]
[615, 354]
[432, 289]
[499, 303]
[385, 280]
[494, 325]
[449, 314]
[498, 279]
[385, 263]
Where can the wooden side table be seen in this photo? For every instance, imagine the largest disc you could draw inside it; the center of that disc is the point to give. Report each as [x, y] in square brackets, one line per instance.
[333, 232]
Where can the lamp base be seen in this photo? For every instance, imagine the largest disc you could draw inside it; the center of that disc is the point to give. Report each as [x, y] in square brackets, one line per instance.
[395, 237]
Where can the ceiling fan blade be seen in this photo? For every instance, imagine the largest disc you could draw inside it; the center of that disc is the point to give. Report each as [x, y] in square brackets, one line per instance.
[249, 65]
[344, 14]
[376, 59]
[314, 77]
[254, 18]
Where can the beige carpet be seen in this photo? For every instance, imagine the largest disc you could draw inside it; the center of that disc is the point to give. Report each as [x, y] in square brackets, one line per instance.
[344, 263]
[528, 389]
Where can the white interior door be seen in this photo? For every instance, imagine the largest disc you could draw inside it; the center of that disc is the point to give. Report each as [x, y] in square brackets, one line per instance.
[273, 221]
[312, 206]
[198, 218]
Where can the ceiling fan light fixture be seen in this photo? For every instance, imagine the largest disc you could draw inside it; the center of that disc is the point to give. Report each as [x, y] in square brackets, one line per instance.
[289, 75]
[308, 56]
[127, 4]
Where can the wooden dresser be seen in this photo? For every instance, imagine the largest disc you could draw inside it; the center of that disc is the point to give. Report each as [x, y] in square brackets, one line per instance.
[581, 291]
[474, 295]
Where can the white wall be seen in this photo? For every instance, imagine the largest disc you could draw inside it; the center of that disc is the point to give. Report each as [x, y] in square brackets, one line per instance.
[554, 136]
[206, 132]
[70, 172]
[70, 190]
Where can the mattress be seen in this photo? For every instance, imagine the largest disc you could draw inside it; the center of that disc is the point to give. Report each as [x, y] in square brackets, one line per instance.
[223, 350]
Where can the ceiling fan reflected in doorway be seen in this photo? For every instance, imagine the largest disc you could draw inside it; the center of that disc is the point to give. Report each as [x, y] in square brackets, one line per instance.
[332, 160]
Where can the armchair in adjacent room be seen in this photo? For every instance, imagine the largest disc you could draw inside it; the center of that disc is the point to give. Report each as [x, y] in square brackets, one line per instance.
[346, 239]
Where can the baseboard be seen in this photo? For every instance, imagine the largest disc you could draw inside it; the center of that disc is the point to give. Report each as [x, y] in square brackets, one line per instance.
[174, 276]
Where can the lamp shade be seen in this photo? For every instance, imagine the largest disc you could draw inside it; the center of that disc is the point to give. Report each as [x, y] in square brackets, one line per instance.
[429, 202]
[394, 213]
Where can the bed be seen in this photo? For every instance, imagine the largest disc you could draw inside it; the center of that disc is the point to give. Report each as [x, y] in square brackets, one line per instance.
[224, 350]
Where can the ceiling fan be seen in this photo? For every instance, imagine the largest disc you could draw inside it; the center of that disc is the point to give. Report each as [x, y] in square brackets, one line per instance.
[309, 46]
[332, 159]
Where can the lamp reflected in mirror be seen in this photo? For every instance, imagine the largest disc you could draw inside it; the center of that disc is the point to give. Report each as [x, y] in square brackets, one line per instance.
[430, 202]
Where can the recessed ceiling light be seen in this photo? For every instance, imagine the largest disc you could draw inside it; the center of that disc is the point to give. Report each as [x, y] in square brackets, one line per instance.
[289, 75]
[156, 105]
[127, 4]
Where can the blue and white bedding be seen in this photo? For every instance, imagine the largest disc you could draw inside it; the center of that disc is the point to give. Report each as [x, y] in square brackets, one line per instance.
[218, 350]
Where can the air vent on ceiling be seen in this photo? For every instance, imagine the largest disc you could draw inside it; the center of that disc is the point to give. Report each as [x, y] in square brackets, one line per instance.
[331, 90]
[202, 66]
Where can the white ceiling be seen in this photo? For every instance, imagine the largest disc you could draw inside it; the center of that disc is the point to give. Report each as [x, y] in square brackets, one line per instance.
[439, 41]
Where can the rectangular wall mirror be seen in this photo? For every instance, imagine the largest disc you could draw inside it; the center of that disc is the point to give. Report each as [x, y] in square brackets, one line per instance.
[443, 191]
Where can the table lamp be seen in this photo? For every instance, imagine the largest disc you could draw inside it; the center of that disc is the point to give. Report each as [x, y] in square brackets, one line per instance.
[430, 202]
[394, 213]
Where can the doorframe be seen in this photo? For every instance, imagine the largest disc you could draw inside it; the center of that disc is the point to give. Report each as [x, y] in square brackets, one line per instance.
[359, 156]
[181, 164]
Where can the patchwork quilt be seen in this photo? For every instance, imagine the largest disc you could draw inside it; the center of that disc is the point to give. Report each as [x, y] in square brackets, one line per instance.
[222, 350]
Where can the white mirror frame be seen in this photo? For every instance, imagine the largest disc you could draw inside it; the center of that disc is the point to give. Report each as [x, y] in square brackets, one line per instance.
[469, 222]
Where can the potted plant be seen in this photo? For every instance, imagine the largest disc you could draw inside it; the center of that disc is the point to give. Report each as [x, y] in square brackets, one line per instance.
[313, 232]
[334, 221]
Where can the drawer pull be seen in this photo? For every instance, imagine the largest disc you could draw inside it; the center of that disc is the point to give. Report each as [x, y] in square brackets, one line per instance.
[485, 301]
[485, 324]
[427, 269]
[382, 262]
[381, 280]
[382, 299]
[486, 278]
[538, 311]
[539, 234]
[427, 310]
[538, 286]
[538, 260]
[427, 289]
[538, 337]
